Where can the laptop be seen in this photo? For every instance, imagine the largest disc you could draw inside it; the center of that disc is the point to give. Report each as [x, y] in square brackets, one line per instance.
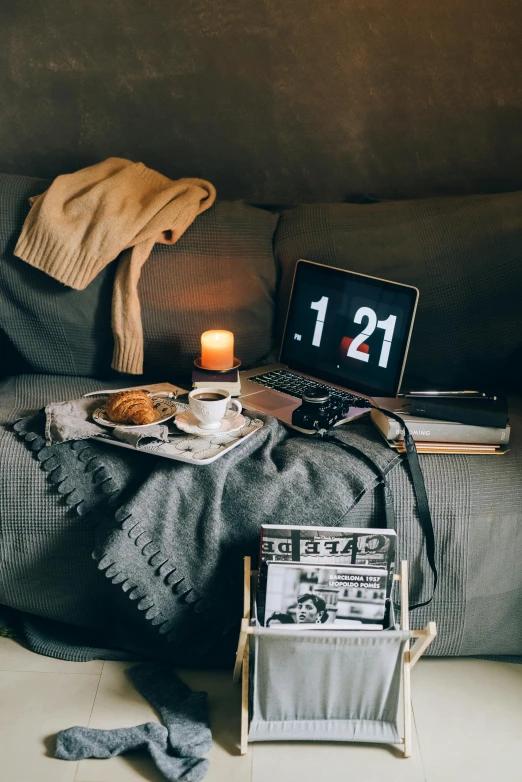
[345, 332]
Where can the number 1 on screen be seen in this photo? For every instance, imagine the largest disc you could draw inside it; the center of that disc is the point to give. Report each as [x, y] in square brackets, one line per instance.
[321, 307]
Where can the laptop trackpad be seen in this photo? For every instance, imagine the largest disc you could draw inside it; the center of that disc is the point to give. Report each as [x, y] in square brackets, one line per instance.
[269, 402]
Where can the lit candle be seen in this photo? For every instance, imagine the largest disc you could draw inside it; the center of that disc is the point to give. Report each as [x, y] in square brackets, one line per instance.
[217, 349]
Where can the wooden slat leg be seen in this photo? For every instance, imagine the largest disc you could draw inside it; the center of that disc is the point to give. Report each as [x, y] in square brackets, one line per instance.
[244, 698]
[240, 650]
[406, 666]
[243, 657]
[406, 690]
[245, 621]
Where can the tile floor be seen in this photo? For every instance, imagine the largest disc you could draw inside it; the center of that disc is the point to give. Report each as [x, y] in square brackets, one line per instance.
[468, 726]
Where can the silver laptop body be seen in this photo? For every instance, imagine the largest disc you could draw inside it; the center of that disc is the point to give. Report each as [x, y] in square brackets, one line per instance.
[345, 331]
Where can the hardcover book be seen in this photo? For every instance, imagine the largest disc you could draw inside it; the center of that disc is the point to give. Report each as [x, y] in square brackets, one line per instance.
[307, 596]
[435, 430]
[204, 378]
[477, 412]
[460, 448]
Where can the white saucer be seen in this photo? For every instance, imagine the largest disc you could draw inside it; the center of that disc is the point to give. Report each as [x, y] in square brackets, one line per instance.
[164, 408]
[188, 422]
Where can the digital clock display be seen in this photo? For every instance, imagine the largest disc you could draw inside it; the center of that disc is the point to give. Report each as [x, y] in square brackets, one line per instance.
[348, 328]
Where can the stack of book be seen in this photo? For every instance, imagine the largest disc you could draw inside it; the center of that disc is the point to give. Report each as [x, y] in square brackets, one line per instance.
[320, 578]
[445, 425]
[206, 378]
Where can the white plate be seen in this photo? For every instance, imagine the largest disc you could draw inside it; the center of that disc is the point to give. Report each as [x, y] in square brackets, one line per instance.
[188, 422]
[165, 409]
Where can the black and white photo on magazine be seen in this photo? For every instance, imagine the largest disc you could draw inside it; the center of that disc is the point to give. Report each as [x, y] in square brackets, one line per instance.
[325, 596]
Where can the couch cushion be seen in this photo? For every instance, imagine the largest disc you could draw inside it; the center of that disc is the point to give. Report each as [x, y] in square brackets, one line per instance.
[221, 274]
[464, 255]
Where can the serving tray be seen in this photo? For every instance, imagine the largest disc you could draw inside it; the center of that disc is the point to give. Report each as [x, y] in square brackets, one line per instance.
[190, 448]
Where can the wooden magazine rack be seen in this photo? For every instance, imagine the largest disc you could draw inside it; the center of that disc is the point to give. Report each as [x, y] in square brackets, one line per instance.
[423, 638]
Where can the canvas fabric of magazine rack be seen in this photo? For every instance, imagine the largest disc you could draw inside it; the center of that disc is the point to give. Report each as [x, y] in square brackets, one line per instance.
[410, 655]
[190, 448]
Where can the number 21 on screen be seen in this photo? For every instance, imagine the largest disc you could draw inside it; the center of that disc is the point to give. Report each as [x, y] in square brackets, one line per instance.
[388, 326]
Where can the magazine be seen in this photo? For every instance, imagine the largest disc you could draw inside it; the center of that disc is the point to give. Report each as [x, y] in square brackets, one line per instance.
[328, 546]
[311, 596]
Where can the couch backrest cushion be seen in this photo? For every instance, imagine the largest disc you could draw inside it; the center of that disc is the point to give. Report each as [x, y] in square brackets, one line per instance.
[221, 274]
[464, 255]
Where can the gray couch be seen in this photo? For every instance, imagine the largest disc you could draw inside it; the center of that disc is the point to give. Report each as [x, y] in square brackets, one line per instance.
[464, 254]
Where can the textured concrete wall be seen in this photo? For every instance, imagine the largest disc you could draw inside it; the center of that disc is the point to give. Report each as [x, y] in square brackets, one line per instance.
[275, 102]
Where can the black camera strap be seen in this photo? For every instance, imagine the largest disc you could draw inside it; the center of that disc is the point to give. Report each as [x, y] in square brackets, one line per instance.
[419, 490]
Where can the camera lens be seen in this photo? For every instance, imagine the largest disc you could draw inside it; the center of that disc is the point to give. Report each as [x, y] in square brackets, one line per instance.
[316, 396]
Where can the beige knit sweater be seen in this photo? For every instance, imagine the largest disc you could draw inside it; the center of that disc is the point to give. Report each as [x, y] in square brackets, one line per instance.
[86, 219]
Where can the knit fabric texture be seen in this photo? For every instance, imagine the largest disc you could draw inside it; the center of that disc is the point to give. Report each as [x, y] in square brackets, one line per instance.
[87, 219]
[177, 747]
[170, 538]
[208, 519]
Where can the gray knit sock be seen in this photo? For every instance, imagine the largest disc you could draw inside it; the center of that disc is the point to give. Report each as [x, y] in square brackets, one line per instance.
[176, 747]
[79, 743]
[183, 712]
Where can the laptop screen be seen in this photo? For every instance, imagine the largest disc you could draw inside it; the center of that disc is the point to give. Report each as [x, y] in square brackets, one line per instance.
[348, 328]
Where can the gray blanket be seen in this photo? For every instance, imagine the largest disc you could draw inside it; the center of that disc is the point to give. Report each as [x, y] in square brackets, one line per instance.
[172, 537]
[169, 538]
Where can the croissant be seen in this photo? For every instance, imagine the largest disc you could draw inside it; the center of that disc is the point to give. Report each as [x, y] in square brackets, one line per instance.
[131, 407]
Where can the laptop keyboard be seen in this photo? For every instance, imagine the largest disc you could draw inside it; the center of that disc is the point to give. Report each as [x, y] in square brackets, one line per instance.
[295, 385]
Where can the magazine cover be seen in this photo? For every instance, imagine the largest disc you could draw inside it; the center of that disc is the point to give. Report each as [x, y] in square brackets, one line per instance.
[328, 546]
[325, 596]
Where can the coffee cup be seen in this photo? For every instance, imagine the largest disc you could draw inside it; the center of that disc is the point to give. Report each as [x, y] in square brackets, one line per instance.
[211, 405]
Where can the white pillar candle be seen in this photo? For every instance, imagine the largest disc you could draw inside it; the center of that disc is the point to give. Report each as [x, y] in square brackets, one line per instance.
[217, 349]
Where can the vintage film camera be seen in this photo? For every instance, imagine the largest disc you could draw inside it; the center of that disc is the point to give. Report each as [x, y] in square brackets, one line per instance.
[317, 411]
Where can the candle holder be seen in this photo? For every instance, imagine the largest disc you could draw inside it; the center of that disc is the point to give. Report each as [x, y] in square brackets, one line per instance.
[199, 365]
